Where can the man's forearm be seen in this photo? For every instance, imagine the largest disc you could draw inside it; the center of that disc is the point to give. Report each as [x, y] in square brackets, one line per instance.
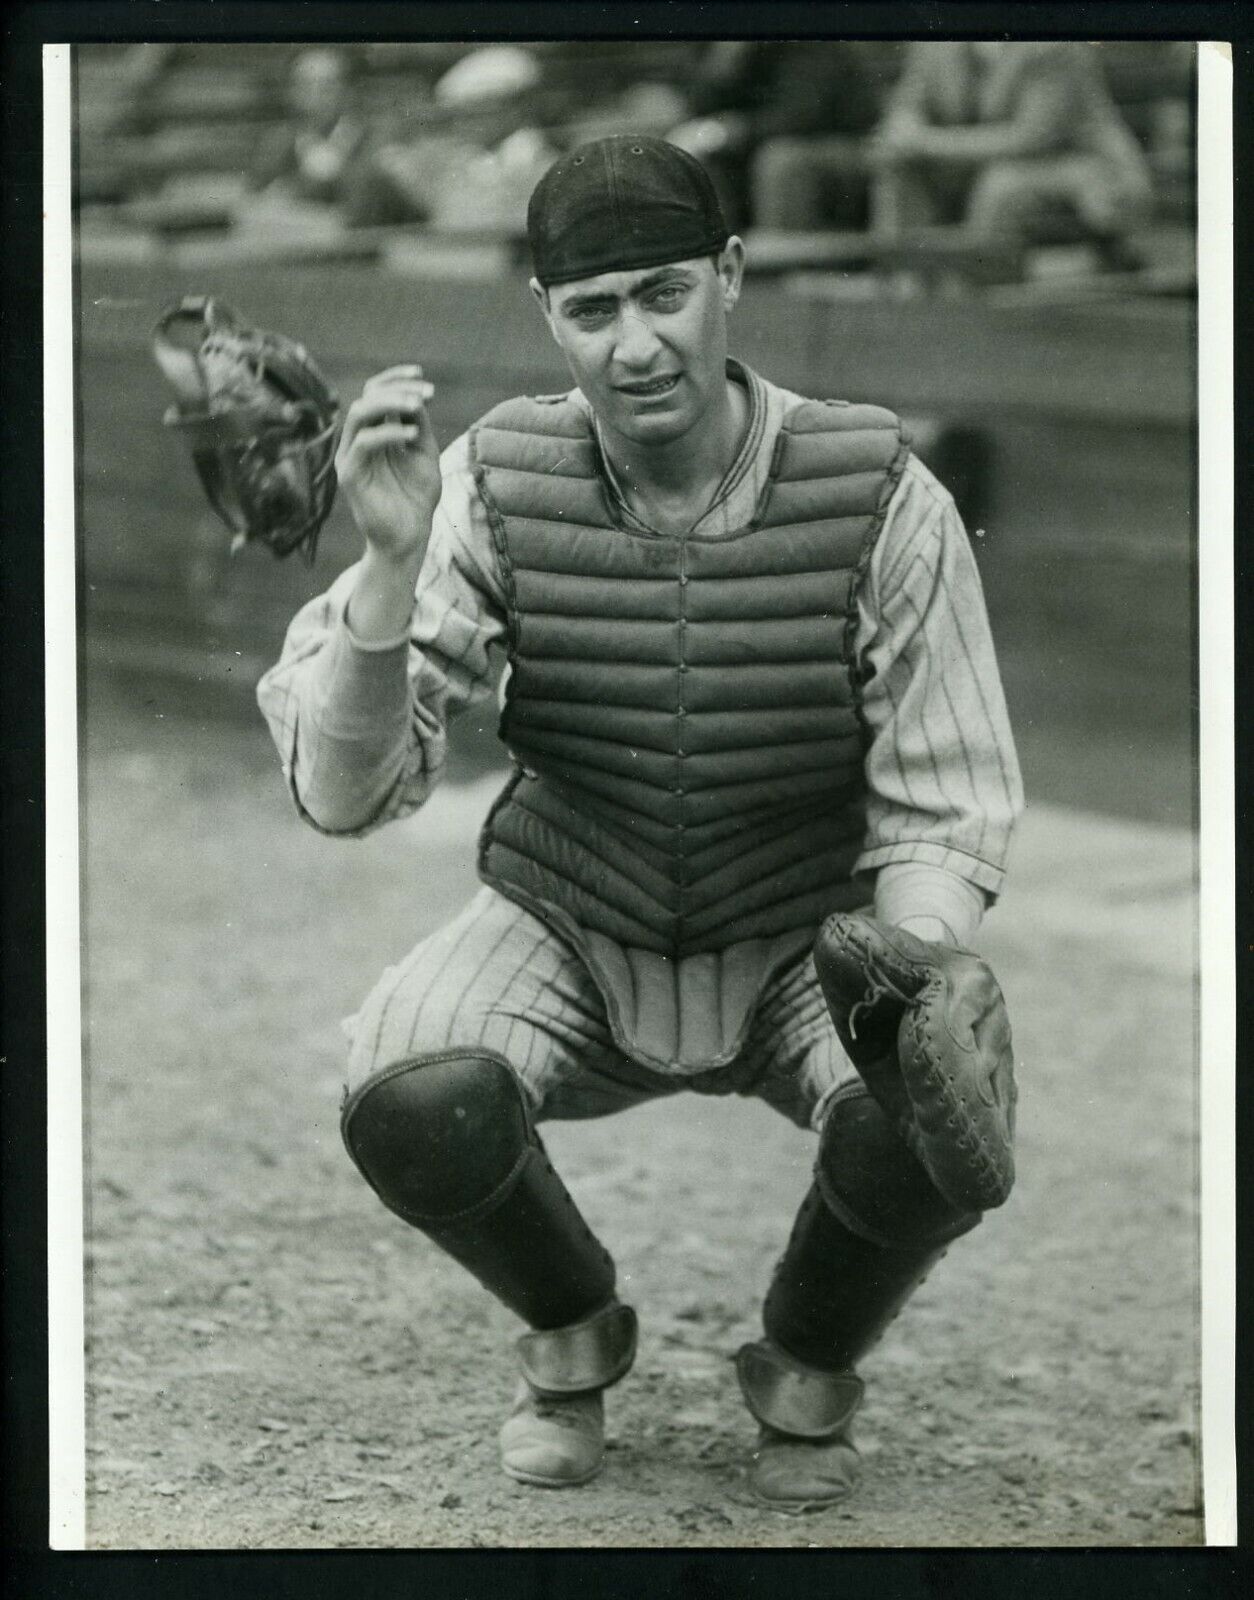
[360, 742]
[357, 734]
[993, 141]
[929, 902]
[382, 600]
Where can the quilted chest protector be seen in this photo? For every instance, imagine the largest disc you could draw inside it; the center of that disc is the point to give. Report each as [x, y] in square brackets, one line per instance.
[688, 800]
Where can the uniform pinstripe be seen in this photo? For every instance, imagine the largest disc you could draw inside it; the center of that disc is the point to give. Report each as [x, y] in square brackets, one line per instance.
[495, 978]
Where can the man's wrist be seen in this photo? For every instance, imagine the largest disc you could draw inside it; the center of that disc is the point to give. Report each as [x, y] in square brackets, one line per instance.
[383, 597]
[403, 563]
[928, 901]
[934, 930]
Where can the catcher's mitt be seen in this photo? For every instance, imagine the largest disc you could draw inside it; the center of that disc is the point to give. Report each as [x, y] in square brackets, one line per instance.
[926, 1027]
[262, 422]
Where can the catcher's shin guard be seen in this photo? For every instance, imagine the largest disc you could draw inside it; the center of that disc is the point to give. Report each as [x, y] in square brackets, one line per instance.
[868, 1232]
[447, 1143]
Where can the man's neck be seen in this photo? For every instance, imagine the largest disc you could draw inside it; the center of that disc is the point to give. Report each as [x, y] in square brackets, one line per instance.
[686, 469]
[323, 127]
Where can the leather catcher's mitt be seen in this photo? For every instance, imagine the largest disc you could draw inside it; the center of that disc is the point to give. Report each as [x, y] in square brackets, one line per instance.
[261, 420]
[926, 1028]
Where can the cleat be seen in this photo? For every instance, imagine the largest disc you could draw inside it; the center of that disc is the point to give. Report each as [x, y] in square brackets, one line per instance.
[551, 1442]
[799, 1475]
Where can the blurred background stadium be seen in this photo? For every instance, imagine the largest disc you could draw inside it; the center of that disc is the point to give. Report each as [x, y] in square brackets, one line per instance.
[370, 200]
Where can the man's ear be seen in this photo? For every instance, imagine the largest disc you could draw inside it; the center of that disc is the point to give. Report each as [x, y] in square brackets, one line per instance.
[542, 300]
[731, 269]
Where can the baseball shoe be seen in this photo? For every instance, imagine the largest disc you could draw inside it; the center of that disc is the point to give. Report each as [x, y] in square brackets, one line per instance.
[798, 1475]
[555, 1435]
[553, 1442]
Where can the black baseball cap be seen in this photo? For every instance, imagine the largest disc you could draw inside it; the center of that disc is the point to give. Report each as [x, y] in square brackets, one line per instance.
[623, 202]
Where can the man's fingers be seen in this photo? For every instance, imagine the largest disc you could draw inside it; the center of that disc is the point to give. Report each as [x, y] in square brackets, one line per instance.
[404, 373]
[398, 401]
[389, 398]
[368, 441]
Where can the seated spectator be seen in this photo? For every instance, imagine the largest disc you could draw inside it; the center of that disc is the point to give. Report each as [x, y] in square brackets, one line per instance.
[1019, 138]
[124, 80]
[476, 160]
[317, 158]
[647, 106]
[781, 127]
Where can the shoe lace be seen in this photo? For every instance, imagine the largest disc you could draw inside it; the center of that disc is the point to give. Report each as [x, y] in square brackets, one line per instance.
[567, 1413]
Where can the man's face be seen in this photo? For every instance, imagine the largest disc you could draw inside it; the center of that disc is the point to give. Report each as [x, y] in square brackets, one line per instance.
[648, 347]
[318, 91]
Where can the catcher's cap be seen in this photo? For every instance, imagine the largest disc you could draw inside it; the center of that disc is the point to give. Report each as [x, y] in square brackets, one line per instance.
[624, 202]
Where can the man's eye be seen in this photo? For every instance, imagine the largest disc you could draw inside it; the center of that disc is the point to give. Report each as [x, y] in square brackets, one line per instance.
[668, 297]
[590, 316]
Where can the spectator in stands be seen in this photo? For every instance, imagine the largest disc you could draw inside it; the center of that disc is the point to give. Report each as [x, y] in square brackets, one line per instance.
[319, 156]
[126, 87]
[1021, 138]
[476, 160]
[781, 127]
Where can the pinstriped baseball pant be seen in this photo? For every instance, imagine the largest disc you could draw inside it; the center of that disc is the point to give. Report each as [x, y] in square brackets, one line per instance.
[496, 978]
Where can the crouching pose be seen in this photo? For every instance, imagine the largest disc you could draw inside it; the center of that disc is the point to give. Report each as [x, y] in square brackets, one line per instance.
[762, 791]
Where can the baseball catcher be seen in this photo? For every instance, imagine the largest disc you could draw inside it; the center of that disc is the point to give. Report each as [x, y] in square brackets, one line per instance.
[261, 421]
[762, 792]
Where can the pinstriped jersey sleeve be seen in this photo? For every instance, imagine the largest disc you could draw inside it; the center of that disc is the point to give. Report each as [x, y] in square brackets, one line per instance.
[943, 778]
[360, 728]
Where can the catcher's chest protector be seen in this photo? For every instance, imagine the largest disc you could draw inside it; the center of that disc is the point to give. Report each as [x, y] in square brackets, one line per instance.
[688, 804]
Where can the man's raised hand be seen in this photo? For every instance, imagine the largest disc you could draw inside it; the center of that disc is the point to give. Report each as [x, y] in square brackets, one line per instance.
[388, 463]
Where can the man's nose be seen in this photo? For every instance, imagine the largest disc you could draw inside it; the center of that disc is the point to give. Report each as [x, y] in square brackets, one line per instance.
[637, 343]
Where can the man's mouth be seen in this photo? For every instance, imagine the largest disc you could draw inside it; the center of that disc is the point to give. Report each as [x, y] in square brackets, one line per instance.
[653, 389]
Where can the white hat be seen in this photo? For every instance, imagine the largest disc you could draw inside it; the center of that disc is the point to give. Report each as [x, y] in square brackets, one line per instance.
[493, 73]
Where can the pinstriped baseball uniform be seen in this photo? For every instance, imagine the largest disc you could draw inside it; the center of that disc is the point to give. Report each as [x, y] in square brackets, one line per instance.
[361, 731]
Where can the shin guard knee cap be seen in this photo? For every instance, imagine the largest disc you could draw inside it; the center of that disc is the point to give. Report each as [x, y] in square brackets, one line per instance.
[437, 1135]
[872, 1182]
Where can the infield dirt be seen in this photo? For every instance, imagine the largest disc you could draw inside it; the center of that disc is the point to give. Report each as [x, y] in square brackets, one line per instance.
[274, 1360]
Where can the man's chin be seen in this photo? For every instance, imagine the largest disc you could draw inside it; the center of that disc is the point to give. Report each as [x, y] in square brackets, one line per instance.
[659, 427]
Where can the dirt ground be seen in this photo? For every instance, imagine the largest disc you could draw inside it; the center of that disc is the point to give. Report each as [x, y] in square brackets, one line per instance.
[276, 1361]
